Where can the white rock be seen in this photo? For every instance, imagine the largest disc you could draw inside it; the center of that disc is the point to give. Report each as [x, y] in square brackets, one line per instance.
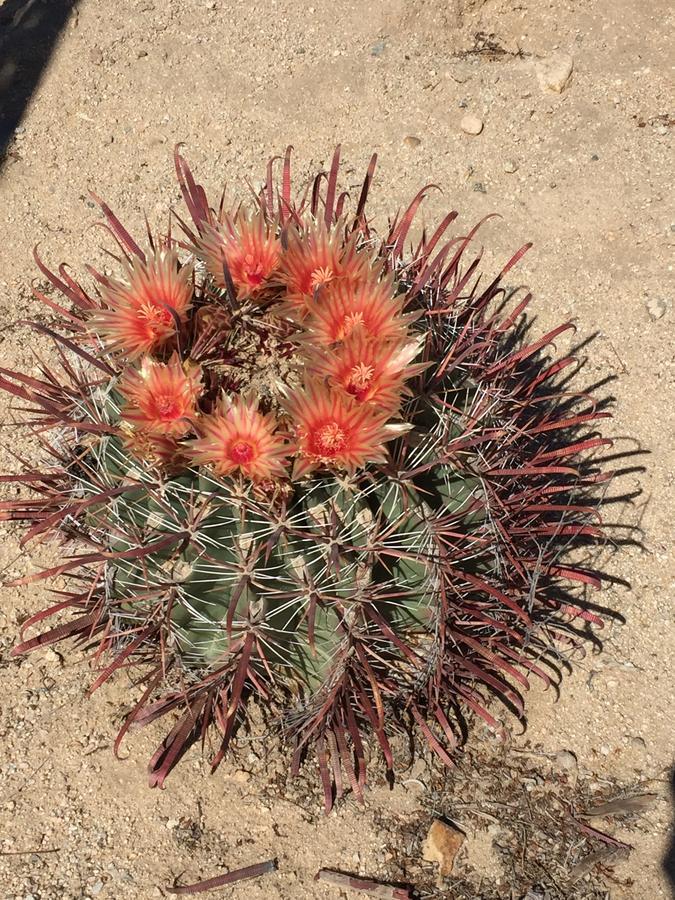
[566, 760]
[656, 307]
[51, 657]
[554, 72]
[471, 124]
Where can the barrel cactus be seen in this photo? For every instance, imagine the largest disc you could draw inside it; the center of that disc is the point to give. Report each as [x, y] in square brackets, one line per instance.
[308, 468]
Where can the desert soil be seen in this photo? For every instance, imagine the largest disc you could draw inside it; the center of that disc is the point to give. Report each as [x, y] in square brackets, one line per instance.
[586, 174]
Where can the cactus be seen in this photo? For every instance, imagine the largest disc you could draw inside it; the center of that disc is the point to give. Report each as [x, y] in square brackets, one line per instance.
[309, 468]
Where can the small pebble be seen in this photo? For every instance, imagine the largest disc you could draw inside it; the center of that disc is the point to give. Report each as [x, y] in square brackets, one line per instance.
[52, 658]
[418, 769]
[411, 141]
[554, 72]
[471, 124]
[594, 157]
[378, 48]
[510, 166]
[637, 743]
[441, 846]
[656, 307]
[463, 104]
[566, 760]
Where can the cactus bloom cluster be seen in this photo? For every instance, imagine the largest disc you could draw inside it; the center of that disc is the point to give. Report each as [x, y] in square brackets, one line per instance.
[311, 468]
[353, 348]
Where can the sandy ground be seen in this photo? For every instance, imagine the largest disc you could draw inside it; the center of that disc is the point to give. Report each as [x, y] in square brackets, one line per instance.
[585, 174]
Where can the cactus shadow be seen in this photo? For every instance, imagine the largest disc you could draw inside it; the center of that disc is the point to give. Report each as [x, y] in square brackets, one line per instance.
[669, 857]
[29, 32]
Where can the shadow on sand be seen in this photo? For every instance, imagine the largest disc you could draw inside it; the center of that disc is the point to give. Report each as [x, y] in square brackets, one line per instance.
[29, 31]
[669, 858]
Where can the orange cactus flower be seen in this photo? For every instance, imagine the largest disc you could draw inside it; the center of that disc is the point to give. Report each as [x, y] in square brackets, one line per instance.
[314, 259]
[238, 438]
[334, 431]
[161, 397]
[346, 308]
[368, 371]
[249, 248]
[140, 315]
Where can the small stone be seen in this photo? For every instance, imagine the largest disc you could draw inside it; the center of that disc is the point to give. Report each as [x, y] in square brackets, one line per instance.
[418, 769]
[463, 104]
[471, 124]
[510, 166]
[378, 48]
[565, 759]
[96, 888]
[141, 54]
[411, 141]
[656, 307]
[554, 72]
[637, 743]
[442, 845]
[52, 658]
[594, 157]
[241, 777]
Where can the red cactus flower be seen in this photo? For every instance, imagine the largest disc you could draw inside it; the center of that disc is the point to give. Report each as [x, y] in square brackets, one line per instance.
[346, 308]
[139, 316]
[248, 247]
[314, 259]
[161, 397]
[238, 438]
[334, 431]
[368, 371]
